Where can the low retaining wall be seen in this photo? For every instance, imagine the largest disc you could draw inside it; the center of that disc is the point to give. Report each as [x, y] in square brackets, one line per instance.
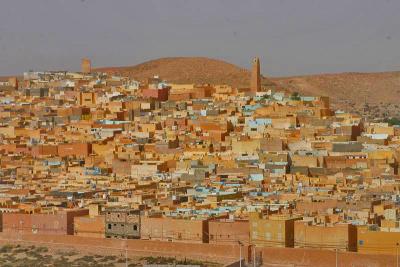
[300, 257]
[225, 254]
[204, 252]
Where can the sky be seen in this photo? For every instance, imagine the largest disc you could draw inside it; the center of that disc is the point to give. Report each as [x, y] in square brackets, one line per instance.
[291, 37]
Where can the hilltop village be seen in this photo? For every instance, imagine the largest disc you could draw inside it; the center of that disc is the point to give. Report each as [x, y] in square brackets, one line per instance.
[97, 155]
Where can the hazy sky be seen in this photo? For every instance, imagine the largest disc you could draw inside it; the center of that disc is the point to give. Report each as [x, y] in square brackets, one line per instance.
[290, 36]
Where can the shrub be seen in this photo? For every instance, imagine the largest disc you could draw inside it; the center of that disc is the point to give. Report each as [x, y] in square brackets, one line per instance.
[6, 248]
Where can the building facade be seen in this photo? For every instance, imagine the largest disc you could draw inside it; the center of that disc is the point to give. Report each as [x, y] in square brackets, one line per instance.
[122, 223]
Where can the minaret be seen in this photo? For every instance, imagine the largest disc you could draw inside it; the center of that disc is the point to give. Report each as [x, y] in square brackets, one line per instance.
[255, 83]
[86, 66]
[13, 82]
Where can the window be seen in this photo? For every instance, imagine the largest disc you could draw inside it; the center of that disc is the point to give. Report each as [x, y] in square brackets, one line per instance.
[255, 234]
[279, 235]
[109, 226]
[135, 227]
[268, 236]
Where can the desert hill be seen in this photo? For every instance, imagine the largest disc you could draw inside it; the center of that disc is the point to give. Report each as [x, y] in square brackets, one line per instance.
[198, 70]
[348, 88]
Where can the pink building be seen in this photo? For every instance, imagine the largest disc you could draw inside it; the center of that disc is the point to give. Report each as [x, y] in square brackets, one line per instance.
[158, 94]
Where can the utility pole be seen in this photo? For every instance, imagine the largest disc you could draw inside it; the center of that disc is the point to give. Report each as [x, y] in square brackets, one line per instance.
[240, 253]
[254, 255]
[240, 257]
[126, 241]
[336, 250]
[126, 255]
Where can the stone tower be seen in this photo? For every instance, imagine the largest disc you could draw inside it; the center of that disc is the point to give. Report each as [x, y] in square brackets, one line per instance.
[86, 66]
[255, 83]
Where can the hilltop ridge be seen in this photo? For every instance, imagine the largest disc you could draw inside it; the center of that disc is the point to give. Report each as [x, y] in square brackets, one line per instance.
[187, 70]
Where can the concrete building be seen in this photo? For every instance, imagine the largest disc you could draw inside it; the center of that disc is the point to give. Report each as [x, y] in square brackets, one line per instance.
[338, 236]
[272, 230]
[159, 94]
[122, 223]
[370, 240]
[175, 230]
